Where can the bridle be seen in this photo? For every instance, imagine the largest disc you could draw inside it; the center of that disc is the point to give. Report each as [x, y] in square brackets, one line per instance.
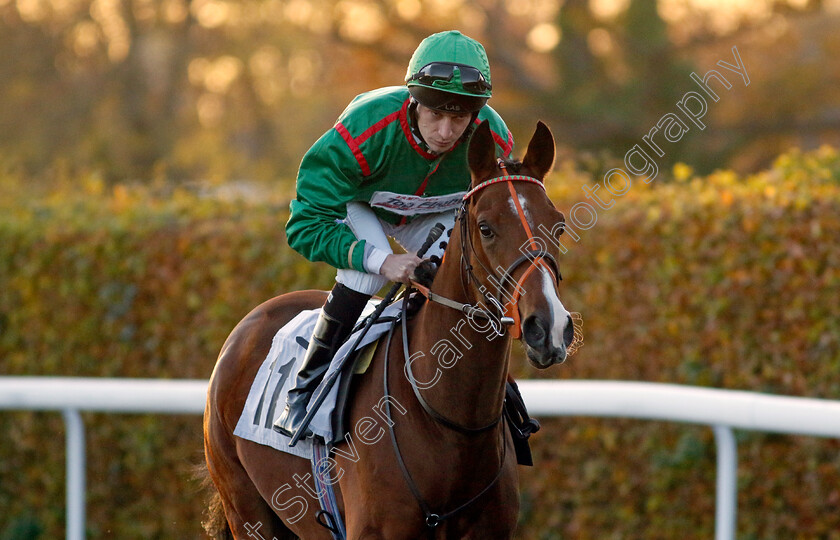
[504, 305]
[502, 314]
[505, 314]
[535, 254]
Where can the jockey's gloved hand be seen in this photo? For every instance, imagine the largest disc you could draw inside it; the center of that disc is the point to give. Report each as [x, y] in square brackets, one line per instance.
[399, 267]
[425, 272]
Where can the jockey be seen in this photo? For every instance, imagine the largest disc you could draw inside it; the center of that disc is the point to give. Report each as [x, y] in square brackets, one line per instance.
[393, 165]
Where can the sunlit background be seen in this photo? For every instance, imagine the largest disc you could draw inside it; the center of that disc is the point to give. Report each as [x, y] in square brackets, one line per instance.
[148, 151]
[220, 90]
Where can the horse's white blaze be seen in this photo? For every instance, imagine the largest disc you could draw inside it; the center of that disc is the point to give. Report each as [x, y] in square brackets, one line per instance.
[523, 202]
[559, 315]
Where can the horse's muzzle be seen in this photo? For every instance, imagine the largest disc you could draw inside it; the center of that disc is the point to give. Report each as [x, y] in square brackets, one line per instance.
[542, 349]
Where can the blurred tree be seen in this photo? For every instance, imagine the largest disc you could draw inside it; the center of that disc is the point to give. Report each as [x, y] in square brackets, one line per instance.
[30, 91]
[220, 89]
[617, 76]
[153, 88]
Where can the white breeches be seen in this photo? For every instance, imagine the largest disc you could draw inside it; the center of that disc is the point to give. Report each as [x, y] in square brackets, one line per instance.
[367, 226]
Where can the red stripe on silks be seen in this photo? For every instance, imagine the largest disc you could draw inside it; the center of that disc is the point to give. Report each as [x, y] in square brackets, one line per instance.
[421, 189]
[505, 145]
[357, 152]
[378, 126]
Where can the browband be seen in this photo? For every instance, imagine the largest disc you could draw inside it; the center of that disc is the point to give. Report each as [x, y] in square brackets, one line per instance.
[505, 178]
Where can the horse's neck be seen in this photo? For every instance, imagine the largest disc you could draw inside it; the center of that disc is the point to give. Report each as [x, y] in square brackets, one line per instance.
[460, 363]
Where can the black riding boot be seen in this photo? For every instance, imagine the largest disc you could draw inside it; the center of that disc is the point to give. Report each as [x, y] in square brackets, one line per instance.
[335, 323]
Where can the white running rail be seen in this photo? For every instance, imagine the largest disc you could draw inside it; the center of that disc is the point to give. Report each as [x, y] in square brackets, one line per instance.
[723, 410]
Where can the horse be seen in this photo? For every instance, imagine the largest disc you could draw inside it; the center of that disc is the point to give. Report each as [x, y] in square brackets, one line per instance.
[430, 456]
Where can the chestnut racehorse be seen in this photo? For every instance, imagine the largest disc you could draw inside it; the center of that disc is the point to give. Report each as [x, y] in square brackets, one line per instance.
[429, 456]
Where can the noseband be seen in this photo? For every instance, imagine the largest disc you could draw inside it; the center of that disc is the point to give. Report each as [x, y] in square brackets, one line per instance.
[537, 256]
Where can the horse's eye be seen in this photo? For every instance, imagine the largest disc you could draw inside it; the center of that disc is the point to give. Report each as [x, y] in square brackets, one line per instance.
[485, 230]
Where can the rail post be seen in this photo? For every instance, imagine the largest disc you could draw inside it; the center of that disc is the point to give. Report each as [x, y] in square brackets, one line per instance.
[726, 500]
[76, 470]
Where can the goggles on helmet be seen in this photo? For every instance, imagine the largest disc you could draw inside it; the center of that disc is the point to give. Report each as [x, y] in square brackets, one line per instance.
[472, 80]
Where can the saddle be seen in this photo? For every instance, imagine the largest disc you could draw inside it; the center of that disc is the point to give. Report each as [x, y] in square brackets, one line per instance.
[277, 373]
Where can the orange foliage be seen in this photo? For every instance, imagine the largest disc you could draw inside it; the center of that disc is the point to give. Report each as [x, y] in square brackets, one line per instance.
[720, 280]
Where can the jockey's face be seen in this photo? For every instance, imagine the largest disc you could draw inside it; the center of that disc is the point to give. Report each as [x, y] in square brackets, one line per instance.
[441, 130]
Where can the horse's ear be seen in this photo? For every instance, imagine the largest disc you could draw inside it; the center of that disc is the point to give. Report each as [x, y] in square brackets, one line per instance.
[482, 153]
[539, 158]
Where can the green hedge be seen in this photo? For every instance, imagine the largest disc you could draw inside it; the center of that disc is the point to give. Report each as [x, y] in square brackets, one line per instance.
[721, 281]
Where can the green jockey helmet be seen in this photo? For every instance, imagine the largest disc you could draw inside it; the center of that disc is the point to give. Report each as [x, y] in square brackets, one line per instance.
[449, 72]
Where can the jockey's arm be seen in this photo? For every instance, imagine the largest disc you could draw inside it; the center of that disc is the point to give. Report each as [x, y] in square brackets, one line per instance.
[325, 185]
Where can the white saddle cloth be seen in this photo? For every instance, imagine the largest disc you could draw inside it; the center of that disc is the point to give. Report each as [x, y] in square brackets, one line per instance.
[278, 372]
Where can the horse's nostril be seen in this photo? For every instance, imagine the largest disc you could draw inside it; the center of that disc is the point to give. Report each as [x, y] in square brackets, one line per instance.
[569, 332]
[533, 331]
